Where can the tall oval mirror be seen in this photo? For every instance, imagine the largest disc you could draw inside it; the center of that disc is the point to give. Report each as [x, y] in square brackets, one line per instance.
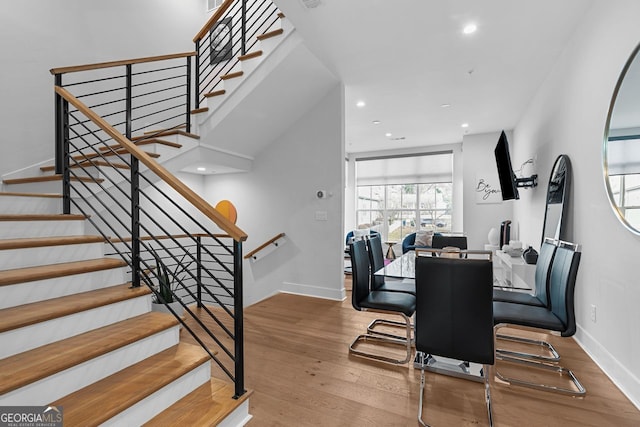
[555, 215]
[622, 146]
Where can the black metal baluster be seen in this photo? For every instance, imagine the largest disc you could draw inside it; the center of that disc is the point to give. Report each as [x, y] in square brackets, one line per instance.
[188, 117]
[135, 188]
[239, 319]
[196, 100]
[243, 48]
[199, 270]
[66, 173]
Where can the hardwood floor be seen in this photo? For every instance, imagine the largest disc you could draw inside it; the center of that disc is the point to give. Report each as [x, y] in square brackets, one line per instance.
[301, 374]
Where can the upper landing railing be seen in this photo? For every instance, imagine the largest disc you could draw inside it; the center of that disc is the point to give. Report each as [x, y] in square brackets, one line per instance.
[230, 33]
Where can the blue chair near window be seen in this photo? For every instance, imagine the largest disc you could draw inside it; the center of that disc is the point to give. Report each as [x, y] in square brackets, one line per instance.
[349, 238]
[409, 243]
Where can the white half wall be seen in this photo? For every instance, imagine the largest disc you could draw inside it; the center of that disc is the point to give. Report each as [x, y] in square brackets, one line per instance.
[568, 116]
[36, 36]
[279, 195]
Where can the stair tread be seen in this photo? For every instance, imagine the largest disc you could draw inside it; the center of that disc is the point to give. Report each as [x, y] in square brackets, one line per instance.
[215, 93]
[146, 142]
[17, 194]
[207, 405]
[42, 217]
[200, 110]
[33, 365]
[125, 388]
[166, 133]
[47, 178]
[270, 34]
[233, 75]
[42, 311]
[93, 163]
[35, 242]
[250, 55]
[41, 272]
[85, 157]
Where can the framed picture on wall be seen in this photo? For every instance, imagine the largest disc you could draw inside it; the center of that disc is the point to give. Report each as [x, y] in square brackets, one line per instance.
[487, 188]
[221, 45]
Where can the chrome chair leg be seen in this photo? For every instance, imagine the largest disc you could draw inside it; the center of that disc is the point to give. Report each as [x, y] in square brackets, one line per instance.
[579, 391]
[421, 403]
[555, 356]
[487, 395]
[371, 329]
[403, 341]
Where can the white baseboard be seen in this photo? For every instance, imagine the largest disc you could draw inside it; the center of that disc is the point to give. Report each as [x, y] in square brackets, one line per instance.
[313, 291]
[625, 380]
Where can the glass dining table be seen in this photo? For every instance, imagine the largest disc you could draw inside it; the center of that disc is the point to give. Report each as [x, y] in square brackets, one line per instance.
[404, 267]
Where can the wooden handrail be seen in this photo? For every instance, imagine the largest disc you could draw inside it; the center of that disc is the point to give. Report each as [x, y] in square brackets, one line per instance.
[202, 205]
[262, 246]
[214, 18]
[99, 65]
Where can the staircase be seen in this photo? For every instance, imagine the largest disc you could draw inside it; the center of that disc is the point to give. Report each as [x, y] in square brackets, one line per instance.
[75, 334]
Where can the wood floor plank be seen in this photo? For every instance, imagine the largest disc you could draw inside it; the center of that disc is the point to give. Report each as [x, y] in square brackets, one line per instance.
[298, 365]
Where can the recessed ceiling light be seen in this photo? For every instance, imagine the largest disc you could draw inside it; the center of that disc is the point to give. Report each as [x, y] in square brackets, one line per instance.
[360, 104]
[465, 125]
[376, 122]
[202, 169]
[445, 105]
[470, 28]
[388, 134]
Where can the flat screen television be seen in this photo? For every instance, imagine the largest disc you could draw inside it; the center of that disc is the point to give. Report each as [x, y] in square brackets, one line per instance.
[508, 183]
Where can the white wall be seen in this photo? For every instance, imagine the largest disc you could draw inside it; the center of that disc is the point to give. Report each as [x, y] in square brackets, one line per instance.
[568, 116]
[279, 195]
[480, 163]
[38, 35]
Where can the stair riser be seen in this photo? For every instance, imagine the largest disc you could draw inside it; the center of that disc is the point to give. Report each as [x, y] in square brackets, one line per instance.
[40, 290]
[269, 45]
[30, 337]
[56, 386]
[31, 257]
[19, 229]
[30, 205]
[231, 84]
[147, 408]
[239, 417]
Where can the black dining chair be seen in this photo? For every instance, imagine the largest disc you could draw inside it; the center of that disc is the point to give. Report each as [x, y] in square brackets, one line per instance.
[559, 317]
[380, 283]
[365, 299]
[454, 314]
[540, 298]
[443, 241]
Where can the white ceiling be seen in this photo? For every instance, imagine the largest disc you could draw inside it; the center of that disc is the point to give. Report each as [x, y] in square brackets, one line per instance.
[405, 58]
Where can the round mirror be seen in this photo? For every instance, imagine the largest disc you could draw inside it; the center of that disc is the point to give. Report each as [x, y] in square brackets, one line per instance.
[622, 146]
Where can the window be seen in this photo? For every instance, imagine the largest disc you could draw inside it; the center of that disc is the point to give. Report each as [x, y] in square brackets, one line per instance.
[213, 4]
[400, 195]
